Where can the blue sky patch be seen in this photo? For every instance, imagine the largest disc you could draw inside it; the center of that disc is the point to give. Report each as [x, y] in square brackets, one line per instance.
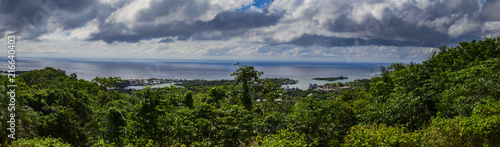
[258, 4]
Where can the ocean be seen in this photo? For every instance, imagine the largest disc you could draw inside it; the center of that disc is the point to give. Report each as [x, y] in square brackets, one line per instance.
[303, 71]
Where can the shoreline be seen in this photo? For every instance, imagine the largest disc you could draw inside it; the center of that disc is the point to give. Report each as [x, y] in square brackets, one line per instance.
[299, 83]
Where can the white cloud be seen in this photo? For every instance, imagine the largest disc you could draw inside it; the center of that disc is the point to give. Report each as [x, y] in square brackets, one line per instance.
[155, 12]
[151, 49]
[127, 14]
[491, 29]
[462, 26]
[84, 32]
[369, 19]
[148, 22]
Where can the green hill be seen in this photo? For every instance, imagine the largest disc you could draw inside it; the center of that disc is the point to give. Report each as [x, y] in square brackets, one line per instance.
[451, 99]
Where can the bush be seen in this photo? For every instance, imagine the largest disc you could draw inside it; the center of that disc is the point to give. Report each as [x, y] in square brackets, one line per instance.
[36, 142]
[324, 122]
[282, 138]
[464, 131]
[381, 135]
[481, 129]
[477, 130]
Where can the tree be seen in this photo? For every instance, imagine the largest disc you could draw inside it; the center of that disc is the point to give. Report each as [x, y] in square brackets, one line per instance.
[146, 114]
[116, 124]
[245, 76]
[324, 122]
[269, 91]
[109, 82]
[62, 122]
[188, 99]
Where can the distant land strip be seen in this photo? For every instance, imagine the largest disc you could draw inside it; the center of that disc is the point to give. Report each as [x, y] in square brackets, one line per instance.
[330, 78]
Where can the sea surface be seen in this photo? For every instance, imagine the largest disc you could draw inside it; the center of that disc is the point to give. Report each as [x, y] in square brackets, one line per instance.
[303, 71]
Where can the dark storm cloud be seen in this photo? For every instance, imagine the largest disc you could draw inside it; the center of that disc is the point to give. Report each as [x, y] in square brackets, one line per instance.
[311, 40]
[367, 22]
[408, 25]
[393, 32]
[167, 40]
[229, 24]
[318, 40]
[491, 10]
[33, 15]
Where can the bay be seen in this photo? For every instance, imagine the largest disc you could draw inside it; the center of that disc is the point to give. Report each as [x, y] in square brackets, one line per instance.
[303, 71]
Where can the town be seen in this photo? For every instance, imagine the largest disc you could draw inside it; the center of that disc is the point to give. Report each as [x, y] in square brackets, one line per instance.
[199, 82]
[339, 85]
[279, 81]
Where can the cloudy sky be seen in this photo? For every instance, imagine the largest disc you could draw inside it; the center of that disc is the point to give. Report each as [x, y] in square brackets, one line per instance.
[333, 30]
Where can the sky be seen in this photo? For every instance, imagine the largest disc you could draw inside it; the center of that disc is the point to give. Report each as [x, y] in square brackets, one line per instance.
[323, 30]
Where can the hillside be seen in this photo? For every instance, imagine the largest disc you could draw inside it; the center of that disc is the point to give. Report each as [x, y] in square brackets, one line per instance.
[451, 99]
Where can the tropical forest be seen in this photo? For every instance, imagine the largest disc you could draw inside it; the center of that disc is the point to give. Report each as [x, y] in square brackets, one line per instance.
[450, 99]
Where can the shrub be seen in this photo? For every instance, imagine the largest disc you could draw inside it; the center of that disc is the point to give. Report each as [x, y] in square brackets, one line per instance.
[40, 141]
[381, 135]
[282, 138]
[477, 130]
[481, 129]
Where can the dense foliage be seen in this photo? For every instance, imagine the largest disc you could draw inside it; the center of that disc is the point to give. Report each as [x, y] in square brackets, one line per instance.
[36, 142]
[451, 99]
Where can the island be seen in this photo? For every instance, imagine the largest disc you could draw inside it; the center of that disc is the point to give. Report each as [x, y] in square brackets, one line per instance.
[331, 78]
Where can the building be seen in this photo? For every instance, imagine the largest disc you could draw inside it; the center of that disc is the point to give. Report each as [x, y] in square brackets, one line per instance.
[345, 87]
[312, 86]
